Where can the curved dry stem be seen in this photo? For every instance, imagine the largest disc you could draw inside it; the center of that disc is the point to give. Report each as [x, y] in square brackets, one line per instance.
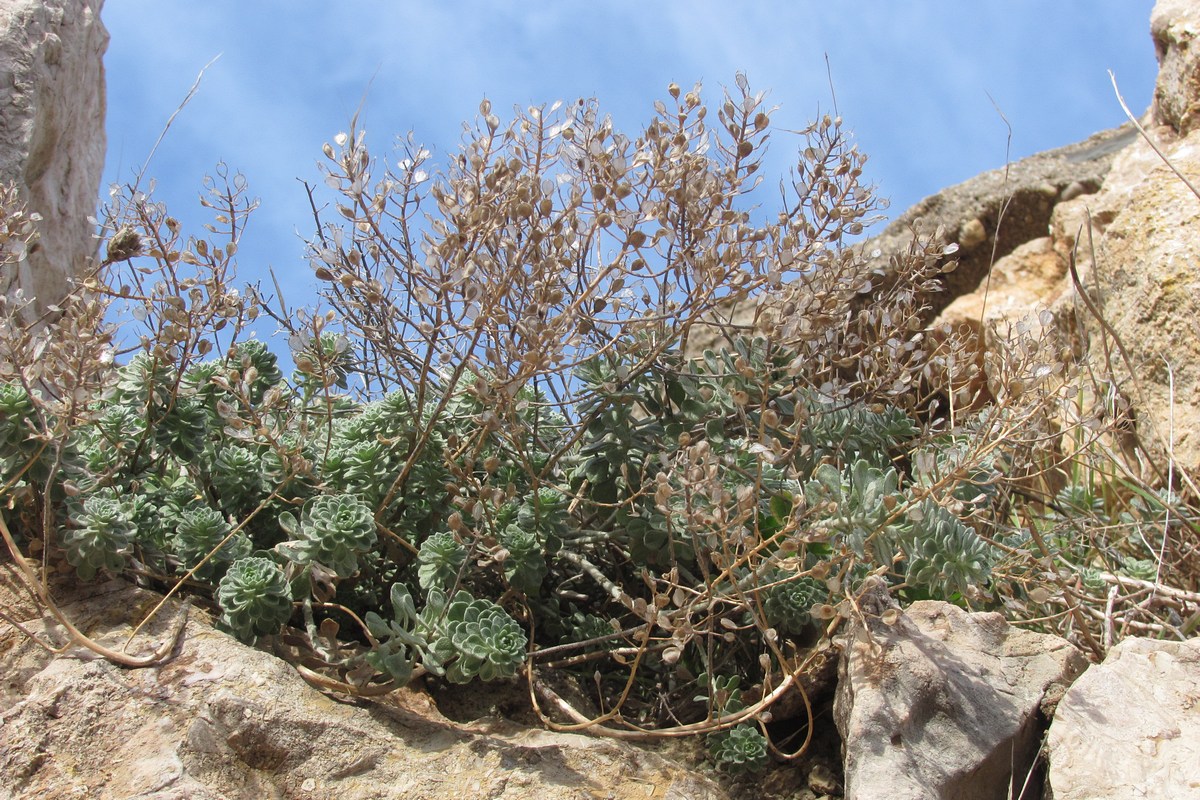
[320, 681]
[77, 637]
[635, 733]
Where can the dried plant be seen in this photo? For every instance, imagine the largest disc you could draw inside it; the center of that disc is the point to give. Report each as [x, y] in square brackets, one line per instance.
[499, 454]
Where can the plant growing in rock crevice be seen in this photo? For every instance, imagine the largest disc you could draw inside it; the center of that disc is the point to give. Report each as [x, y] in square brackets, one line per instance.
[499, 453]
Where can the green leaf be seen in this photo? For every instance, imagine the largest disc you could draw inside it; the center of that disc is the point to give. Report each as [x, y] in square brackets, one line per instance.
[254, 598]
[781, 506]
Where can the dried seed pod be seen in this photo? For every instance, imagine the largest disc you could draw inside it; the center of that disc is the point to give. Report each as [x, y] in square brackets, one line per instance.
[124, 245]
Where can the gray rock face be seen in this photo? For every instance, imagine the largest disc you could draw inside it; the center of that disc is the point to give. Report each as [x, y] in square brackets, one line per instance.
[1130, 727]
[52, 140]
[222, 720]
[943, 703]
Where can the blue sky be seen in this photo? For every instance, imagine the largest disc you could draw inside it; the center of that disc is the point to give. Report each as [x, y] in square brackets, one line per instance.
[912, 81]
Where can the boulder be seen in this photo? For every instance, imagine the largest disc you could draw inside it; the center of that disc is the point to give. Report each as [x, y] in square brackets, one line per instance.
[943, 703]
[992, 214]
[1135, 240]
[1146, 286]
[987, 217]
[52, 142]
[1020, 288]
[1174, 27]
[1130, 727]
[1144, 239]
[222, 720]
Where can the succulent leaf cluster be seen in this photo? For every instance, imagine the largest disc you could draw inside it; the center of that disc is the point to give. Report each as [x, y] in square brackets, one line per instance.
[201, 531]
[739, 750]
[237, 478]
[858, 507]
[527, 537]
[524, 564]
[16, 419]
[855, 432]
[254, 597]
[100, 536]
[787, 603]
[333, 531]
[258, 366]
[945, 555]
[440, 560]
[459, 638]
[400, 642]
[478, 639]
[322, 362]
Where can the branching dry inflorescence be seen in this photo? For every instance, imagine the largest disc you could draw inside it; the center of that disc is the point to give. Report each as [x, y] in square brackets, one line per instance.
[500, 454]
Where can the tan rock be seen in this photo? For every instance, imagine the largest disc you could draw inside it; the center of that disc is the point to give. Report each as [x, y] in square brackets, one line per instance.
[222, 720]
[1175, 26]
[972, 234]
[1148, 291]
[1139, 227]
[1011, 205]
[987, 216]
[1026, 280]
[1019, 291]
[1077, 225]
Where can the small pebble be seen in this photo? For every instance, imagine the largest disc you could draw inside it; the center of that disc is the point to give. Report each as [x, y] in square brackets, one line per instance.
[822, 780]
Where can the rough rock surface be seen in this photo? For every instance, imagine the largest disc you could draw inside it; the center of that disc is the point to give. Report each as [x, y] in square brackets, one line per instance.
[222, 720]
[1175, 26]
[1019, 289]
[1148, 245]
[1148, 287]
[52, 139]
[988, 217]
[1029, 275]
[1135, 240]
[994, 213]
[1130, 727]
[943, 703]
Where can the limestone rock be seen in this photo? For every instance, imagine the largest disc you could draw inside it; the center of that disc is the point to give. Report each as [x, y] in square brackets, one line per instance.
[1130, 727]
[992, 214]
[987, 216]
[1020, 290]
[1175, 26]
[52, 141]
[1028, 278]
[1140, 229]
[943, 703]
[1148, 289]
[222, 720]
